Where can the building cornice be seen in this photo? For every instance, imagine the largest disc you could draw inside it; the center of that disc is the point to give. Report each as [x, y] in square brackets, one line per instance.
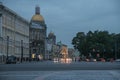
[13, 13]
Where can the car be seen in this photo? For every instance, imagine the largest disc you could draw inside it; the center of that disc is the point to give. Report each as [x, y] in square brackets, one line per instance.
[117, 60]
[103, 60]
[11, 59]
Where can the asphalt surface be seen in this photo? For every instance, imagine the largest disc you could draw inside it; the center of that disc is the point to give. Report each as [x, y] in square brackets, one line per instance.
[61, 75]
[48, 70]
[50, 66]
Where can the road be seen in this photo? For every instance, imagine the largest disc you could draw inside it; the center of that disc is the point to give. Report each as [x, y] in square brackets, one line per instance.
[61, 75]
[50, 66]
[56, 71]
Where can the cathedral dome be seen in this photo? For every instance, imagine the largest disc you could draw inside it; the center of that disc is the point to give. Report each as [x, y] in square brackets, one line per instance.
[37, 17]
[51, 34]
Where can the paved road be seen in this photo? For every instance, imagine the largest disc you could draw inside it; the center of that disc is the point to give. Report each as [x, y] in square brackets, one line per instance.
[50, 66]
[56, 71]
[61, 75]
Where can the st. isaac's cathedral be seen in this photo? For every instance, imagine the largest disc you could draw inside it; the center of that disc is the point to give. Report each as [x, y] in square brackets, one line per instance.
[38, 36]
[26, 40]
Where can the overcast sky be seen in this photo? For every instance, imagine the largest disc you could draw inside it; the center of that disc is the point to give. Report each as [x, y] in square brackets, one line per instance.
[67, 17]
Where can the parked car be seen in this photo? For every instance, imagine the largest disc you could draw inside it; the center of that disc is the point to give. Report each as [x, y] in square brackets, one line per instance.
[11, 59]
[117, 60]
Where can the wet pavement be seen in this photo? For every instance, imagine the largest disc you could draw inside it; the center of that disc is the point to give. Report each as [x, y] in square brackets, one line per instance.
[61, 75]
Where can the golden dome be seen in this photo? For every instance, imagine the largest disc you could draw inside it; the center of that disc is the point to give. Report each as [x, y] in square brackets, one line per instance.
[37, 17]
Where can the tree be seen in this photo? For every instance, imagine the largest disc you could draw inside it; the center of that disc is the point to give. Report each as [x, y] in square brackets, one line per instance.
[97, 42]
[79, 42]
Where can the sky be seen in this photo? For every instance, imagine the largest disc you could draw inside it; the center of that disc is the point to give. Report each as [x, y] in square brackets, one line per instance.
[67, 17]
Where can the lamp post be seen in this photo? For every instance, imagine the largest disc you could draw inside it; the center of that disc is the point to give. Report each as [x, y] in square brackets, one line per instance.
[7, 47]
[21, 50]
[94, 53]
[30, 44]
[115, 49]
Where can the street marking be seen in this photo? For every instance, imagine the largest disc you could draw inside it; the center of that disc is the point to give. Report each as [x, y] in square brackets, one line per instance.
[115, 74]
[47, 75]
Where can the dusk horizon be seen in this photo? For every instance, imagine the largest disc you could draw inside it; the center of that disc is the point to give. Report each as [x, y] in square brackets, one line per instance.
[66, 18]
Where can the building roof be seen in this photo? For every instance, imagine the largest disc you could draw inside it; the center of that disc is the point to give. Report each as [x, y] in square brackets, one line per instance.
[3, 7]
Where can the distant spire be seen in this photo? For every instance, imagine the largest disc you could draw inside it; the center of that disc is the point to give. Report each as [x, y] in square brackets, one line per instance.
[37, 10]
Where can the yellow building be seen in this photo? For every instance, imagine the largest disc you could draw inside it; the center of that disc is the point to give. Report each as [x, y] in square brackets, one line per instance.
[17, 29]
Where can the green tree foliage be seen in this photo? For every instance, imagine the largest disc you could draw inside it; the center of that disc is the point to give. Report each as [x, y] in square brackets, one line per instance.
[97, 42]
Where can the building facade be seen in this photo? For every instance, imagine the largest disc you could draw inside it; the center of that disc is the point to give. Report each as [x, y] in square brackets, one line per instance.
[37, 35]
[51, 45]
[13, 30]
[52, 38]
[71, 53]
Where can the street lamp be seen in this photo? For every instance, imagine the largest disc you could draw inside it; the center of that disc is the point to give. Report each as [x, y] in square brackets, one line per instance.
[7, 47]
[115, 50]
[116, 39]
[21, 50]
[30, 53]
